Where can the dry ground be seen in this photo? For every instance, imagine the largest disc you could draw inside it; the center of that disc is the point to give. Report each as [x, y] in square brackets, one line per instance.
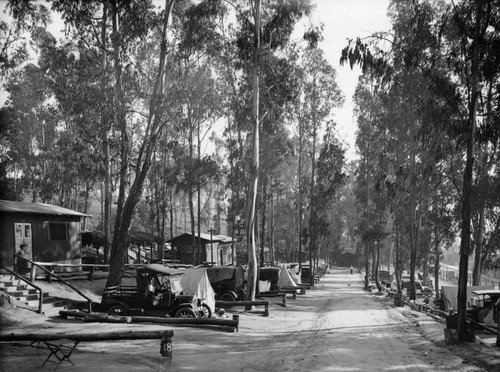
[334, 327]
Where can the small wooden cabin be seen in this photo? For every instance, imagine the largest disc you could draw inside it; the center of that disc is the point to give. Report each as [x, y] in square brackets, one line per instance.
[47, 233]
[216, 248]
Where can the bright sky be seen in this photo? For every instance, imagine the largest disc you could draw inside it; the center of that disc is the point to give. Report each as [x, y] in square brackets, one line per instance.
[344, 19]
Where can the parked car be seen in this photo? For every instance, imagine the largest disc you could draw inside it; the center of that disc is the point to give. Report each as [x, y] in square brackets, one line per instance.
[158, 291]
[306, 274]
[270, 274]
[385, 277]
[420, 289]
[228, 282]
[482, 302]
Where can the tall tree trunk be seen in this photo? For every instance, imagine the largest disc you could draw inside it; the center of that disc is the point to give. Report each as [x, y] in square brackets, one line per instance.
[263, 221]
[374, 258]
[191, 194]
[300, 195]
[171, 215]
[467, 180]
[483, 176]
[312, 219]
[106, 223]
[476, 275]
[437, 255]
[367, 264]
[271, 247]
[375, 275]
[398, 257]
[118, 246]
[254, 170]
[198, 194]
[413, 243]
[127, 204]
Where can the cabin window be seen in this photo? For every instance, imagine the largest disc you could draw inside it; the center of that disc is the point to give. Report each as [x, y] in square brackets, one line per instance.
[58, 231]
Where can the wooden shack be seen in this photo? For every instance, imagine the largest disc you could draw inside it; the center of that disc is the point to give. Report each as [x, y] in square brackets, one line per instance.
[47, 233]
[216, 249]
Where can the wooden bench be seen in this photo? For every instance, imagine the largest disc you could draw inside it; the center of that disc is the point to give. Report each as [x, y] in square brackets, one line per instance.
[231, 304]
[300, 287]
[271, 294]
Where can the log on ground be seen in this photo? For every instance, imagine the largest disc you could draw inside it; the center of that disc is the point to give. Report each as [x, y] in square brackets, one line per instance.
[81, 337]
[225, 324]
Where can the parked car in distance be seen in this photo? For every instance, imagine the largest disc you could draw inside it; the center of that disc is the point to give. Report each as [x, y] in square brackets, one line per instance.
[306, 273]
[482, 302]
[228, 282]
[420, 289]
[385, 277]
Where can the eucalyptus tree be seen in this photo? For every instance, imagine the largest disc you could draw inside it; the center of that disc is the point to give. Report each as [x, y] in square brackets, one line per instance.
[53, 142]
[331, 175]
[319, 95]
[260, 34]
[447, 45]
[469, 33]
[485, 200]
[371, 146]
[20, 19]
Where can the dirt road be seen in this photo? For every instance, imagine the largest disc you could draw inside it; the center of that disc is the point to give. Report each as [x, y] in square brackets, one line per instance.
[334, 327]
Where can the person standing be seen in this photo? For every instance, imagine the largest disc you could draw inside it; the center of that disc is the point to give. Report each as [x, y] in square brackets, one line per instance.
[21, 263]
[352, 269]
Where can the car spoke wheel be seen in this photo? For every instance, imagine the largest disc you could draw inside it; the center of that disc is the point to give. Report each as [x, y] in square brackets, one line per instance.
[185, 313]
[204, 311]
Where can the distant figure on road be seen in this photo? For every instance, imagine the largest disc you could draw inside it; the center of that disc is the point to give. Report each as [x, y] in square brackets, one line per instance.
[352, 270]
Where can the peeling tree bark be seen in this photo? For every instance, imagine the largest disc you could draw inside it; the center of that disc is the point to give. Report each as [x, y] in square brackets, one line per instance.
[254, 170]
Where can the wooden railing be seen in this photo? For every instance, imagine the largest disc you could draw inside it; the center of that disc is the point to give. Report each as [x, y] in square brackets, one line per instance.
[20, 277]
[51, 274]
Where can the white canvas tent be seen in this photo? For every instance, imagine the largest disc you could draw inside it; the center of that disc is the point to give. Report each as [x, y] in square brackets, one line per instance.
[195, 283]
[285, 279]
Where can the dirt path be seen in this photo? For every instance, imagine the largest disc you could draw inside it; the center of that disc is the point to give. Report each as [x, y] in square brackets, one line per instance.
[334, 327]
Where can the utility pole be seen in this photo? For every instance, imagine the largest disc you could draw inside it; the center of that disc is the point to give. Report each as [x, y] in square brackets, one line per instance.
[211, 231]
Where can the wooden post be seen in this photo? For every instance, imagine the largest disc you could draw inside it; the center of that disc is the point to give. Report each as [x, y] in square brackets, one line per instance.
[236, 318]
[166, 347]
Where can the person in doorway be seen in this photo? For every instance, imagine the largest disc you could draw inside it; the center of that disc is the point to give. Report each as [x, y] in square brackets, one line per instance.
[21, 263]
[352, 270]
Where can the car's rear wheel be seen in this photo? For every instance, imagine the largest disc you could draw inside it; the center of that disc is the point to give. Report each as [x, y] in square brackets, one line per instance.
[117, 310]
[242, 295]
[185, 312]
[204, 311]
[228, 296]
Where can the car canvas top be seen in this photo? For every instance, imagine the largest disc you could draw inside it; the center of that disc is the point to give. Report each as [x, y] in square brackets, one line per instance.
[481, 292]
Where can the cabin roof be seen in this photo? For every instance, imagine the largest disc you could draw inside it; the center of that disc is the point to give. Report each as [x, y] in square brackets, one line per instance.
[37, 208]
[205, 238]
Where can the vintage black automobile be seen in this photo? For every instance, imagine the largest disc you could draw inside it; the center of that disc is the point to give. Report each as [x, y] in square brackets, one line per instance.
[306, 273]
[228, 282]
[158, 292]
[482, 302]
[272, 275]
